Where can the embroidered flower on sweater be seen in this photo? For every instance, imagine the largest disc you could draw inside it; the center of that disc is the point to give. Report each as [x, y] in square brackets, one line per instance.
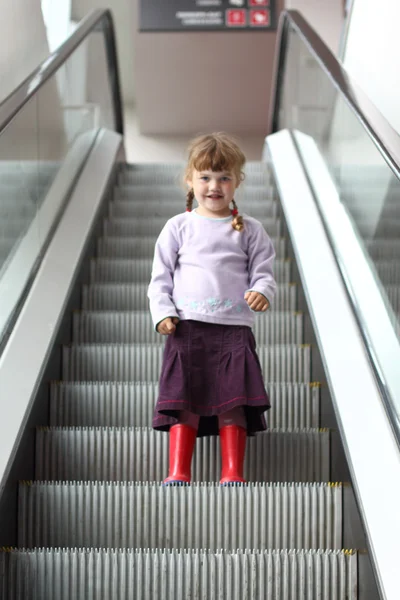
[226, 305]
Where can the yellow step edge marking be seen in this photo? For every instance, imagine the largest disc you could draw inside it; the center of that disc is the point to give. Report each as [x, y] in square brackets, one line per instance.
[334, 484]
[315, 384]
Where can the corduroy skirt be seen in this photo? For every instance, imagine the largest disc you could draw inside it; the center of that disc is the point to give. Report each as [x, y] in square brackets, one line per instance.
[209, 369]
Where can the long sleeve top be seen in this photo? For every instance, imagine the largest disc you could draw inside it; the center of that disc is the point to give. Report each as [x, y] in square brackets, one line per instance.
[203, 268]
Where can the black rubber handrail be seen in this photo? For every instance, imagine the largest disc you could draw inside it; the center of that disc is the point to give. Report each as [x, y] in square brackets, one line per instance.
[98, 20]
[377, 127]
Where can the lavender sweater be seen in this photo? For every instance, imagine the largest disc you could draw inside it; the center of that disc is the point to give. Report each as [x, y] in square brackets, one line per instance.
[202, 269]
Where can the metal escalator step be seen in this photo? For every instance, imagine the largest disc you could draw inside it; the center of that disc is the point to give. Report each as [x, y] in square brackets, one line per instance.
[141, 207]
[381, 249]
[131, 515]
[393, 292]
[79, 574]
[110, 404]
[141, 454]
[388, 227]
[389, 271]
[150, 167]
[162, 194]
[108, 296]
[120, 270]
[175, 179]
[142, 362]
[117, 247]
[137, 327]
[143, 226]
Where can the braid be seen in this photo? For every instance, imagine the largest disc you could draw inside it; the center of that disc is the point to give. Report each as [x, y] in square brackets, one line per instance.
[237, 221]
[189, 200]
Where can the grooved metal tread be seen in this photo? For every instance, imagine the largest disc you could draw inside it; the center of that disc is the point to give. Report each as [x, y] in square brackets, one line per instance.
[388, 270]
[382, 249]
[294, 405]
[117, 247]
[248, 192]
[142, 207]
[80, 574]
[127, 515]
[137, 327]
[142, 362]
[108, 296]
[142, 226]
[138, 270]
[141, 454]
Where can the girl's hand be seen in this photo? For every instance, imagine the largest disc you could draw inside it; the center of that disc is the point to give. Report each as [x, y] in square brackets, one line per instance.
[256, 301]
[167, 326]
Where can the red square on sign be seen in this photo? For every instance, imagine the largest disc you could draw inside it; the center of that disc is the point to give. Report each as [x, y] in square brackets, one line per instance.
[259, 2]
[259, 18]
[235, 18]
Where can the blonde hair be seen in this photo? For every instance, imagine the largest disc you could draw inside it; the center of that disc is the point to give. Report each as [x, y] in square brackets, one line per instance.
[215, 152]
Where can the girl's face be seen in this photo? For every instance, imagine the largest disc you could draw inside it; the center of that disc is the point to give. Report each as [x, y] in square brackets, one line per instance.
[214, 192]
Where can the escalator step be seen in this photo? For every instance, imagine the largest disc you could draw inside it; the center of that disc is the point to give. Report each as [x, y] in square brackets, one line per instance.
[134, 297]
[138, 206]
[163, 194]
[137, 327]
[98, 404]
[142, 226]
[141, 454]
[178, 574]
[142, 362]
[382, 249]
[120, 270]
[116, 247]
[393, 292]
[389, 271]
[129, 515]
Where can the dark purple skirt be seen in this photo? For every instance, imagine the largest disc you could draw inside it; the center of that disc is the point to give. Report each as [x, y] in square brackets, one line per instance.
[209, 369]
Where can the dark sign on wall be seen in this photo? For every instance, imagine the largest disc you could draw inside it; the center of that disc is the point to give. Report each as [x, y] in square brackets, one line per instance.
[207, 15]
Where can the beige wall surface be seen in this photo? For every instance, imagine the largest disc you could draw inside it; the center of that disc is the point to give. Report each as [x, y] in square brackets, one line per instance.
[326, 16]
[124, 14]
[200, 81]
[23, 42]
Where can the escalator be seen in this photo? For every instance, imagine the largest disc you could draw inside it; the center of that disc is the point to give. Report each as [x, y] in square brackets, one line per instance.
[82, 511]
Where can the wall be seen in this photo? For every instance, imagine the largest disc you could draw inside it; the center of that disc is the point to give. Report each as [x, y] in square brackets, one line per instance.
[124, 20]
[371, 55]
[37, 131]
[200, 81]
[326, 16]
[23, 43]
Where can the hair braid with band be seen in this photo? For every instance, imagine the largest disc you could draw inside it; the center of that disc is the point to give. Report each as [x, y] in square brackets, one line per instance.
[237, 221]
[189, 200]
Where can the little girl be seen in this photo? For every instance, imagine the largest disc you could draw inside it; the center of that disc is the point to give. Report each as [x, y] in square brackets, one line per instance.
[212, 270]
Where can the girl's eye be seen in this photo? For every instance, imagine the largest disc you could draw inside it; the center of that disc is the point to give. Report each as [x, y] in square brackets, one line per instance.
[226, 179]
[205, 178]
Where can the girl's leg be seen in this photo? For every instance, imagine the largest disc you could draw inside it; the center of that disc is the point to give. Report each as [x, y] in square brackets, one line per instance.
[182, 438]
[233, 434]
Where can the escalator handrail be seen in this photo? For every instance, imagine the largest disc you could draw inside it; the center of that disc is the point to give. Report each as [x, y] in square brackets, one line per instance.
[95, 21]
[385, 138]
[375, 124]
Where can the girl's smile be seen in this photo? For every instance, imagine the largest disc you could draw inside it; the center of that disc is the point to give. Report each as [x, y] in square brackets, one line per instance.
[214, 191]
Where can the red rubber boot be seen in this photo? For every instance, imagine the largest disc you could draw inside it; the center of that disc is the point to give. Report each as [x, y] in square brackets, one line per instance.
[233, 446]
[181, 444]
